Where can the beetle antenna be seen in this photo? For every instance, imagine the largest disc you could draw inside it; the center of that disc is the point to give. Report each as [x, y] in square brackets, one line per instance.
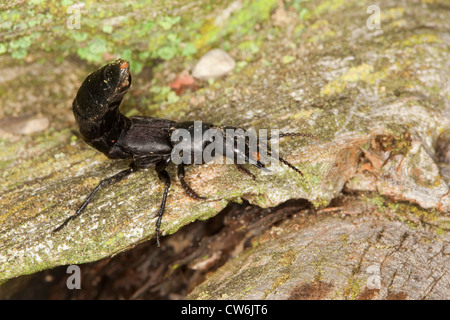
[290, 166]
[292, 134]
[287, 163]
[297, 134]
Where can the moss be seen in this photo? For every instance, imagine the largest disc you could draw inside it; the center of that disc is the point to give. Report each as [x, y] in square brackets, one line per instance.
[363, 72]
[420, 39]
[329, 6]
[70, 30]
[352, 290]
[409, 213]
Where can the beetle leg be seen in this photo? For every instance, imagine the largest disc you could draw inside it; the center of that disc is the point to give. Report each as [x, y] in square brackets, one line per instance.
[189, 191]
[164, 177]
[287, 163]
[104, 183]
[245, 156]
[293, 134]
[244, 170]
[290, 166]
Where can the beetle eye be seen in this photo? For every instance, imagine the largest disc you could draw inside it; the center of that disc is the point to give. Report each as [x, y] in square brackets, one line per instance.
[108, 74]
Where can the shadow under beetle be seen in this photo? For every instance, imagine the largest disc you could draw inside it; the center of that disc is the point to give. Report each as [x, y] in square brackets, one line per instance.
[146, 141]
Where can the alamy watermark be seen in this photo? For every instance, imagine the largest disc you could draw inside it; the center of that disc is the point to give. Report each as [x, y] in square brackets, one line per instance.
[374, 21]
[74, 20]
[374, 280]
[74, 280]
[201, 143]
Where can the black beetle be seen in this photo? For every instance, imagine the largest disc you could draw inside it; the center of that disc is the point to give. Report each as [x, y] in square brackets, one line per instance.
[146, 141]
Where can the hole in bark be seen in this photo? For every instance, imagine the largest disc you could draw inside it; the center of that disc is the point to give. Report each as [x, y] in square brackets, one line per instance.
[171, 272]
[443, 148]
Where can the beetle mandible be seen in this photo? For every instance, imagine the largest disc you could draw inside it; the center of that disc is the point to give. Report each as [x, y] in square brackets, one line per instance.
[146, 141]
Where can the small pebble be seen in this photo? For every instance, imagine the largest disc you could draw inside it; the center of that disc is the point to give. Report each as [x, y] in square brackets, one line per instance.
[214, 64]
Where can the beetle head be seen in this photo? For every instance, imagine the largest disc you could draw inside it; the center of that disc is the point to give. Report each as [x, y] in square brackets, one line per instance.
[103, 90]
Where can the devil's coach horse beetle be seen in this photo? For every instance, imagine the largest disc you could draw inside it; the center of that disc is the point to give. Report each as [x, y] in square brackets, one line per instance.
[145, 141]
